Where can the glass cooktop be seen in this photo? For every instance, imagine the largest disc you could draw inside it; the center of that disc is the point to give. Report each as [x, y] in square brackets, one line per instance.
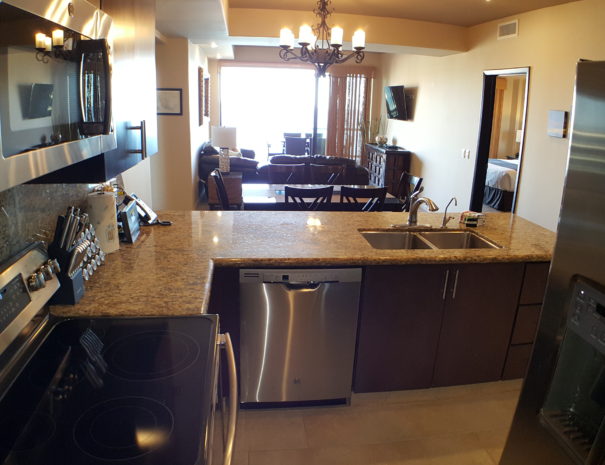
[98, 391]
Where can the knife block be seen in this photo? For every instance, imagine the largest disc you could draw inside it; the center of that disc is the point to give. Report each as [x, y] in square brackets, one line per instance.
[72, 287]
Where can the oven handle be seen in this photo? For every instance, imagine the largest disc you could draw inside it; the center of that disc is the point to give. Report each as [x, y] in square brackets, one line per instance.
[225, 341]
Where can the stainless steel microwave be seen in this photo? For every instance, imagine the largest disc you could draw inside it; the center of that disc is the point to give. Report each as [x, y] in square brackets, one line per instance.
[55, 87]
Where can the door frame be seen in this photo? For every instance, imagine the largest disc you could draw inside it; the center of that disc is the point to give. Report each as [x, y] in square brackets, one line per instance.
[485, 133]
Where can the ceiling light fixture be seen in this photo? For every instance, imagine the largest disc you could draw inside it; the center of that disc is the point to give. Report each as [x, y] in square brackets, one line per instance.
[319, 45]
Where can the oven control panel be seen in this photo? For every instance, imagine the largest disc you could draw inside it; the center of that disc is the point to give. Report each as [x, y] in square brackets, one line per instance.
[27, 282]
[13, 298]
[586, 315]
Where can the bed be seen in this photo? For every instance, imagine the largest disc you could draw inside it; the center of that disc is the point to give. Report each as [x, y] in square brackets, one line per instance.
[500, 183]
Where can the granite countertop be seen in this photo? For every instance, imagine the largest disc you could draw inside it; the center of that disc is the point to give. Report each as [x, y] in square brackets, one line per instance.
[169, 269]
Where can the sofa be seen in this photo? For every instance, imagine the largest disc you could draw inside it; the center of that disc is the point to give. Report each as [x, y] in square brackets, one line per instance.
[252, 172]
[243, 162]
[352, 173]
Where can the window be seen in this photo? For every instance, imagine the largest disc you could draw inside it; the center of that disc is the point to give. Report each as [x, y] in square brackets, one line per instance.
[265, 102]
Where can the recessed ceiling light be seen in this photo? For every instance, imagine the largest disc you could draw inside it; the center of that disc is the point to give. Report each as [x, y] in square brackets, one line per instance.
[213, 44]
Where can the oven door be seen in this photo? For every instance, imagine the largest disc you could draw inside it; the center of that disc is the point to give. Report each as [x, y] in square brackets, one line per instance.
[55, 87]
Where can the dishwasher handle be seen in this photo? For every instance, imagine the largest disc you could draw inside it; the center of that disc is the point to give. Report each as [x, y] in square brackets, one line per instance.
[225, 342]
[302, 285]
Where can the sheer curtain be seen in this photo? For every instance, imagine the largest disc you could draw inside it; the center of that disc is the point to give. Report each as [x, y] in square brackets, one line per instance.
[350, 97]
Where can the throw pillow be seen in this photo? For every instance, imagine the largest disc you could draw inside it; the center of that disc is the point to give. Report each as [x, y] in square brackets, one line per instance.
[208, 149]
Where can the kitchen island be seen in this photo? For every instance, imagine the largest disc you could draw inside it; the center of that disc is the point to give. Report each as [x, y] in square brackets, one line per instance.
[427, 317]
[169, 269]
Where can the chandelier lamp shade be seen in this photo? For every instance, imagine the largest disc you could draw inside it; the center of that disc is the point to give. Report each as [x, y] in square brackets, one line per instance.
[320, 45]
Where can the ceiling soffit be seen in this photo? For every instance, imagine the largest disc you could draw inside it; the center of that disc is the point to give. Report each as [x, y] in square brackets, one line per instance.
[455, 12]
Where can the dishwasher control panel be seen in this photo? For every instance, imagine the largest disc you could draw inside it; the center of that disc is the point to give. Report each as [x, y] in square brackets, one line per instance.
[294, 275]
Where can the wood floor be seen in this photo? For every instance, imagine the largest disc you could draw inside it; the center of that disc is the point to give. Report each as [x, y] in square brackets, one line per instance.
[461, 425]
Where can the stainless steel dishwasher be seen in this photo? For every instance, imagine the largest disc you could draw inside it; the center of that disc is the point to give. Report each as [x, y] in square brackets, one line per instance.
[297, 334]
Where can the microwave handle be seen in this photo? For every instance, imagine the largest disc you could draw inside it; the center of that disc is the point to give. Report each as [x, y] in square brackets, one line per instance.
[143, 128]
[88, 46]
[225, 341]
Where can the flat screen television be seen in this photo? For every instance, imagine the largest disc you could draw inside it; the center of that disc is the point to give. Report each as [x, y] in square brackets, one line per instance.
[395, 102]
[40, 101]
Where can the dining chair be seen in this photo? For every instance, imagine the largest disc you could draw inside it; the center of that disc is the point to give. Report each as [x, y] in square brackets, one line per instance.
[320, 146]
[325, 174]
[221, 192]
[296, 145]
[287, 173]
[288, 134]
[317, 198]
[372, 198]
[408, 185]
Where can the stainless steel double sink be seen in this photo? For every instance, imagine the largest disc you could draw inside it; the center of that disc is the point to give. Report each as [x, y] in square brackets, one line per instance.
[427, 239]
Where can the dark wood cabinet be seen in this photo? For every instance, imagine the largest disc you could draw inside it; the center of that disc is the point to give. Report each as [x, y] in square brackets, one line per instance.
[224, 302]
[133, 95]
[401, 312]
[527, 320]
[441, 325]
[478, 318]
[386, 165]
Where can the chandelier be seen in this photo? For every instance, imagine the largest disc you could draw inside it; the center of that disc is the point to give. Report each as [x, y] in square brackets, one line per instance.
[318, 45]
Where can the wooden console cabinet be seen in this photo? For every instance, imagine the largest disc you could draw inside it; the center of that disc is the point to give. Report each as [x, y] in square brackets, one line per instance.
[386, 165]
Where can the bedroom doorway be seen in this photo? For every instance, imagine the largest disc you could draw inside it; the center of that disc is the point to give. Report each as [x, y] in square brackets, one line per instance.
[501, 135]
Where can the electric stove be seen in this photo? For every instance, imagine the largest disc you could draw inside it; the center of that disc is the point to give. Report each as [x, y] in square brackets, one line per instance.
[88, 391]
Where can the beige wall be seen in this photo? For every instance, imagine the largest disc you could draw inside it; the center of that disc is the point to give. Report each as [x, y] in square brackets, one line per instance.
[448, 103]
[173, 168]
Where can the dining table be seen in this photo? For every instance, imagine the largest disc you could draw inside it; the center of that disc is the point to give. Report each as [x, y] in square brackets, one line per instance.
[257, 196]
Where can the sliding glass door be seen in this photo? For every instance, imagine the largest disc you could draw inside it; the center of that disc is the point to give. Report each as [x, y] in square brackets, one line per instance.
[263, 103]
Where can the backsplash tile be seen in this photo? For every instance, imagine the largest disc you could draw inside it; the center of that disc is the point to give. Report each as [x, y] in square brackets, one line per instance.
[29, 213]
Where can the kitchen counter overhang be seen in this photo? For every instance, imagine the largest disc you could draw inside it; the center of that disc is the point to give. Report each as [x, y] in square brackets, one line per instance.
[169, 269]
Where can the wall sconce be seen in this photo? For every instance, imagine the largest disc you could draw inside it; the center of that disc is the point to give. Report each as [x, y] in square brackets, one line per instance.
[58, 38]
[56, 45]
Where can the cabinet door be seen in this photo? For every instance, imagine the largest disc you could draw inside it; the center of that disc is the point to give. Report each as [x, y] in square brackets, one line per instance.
[134, 82]
[400, 317]
[477, 323]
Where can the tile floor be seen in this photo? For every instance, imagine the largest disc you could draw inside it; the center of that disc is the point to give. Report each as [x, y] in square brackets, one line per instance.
[460, 425]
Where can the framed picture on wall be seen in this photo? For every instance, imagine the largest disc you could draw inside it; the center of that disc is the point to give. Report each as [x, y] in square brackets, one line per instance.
[207, 97]
[201, 94]
[170, 101]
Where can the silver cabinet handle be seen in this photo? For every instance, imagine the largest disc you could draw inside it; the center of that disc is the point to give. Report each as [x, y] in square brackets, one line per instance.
[225, 341]
[447, 278]
[455, 285]
[143, 128]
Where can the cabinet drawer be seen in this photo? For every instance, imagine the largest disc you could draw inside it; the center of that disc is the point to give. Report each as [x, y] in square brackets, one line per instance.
[526, 324]
[534, 283]
[517, 361]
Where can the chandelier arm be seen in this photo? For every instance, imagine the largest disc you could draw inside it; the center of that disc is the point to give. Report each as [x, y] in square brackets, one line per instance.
[358, 55]
[321, 54]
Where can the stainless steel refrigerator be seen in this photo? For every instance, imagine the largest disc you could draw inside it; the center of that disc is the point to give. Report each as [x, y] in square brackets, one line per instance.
[560, 418]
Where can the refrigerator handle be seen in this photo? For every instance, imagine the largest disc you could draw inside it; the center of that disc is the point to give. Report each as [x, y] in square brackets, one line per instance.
[225, 342]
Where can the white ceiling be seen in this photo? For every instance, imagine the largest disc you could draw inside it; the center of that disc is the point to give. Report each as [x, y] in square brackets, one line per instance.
[201, 21]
